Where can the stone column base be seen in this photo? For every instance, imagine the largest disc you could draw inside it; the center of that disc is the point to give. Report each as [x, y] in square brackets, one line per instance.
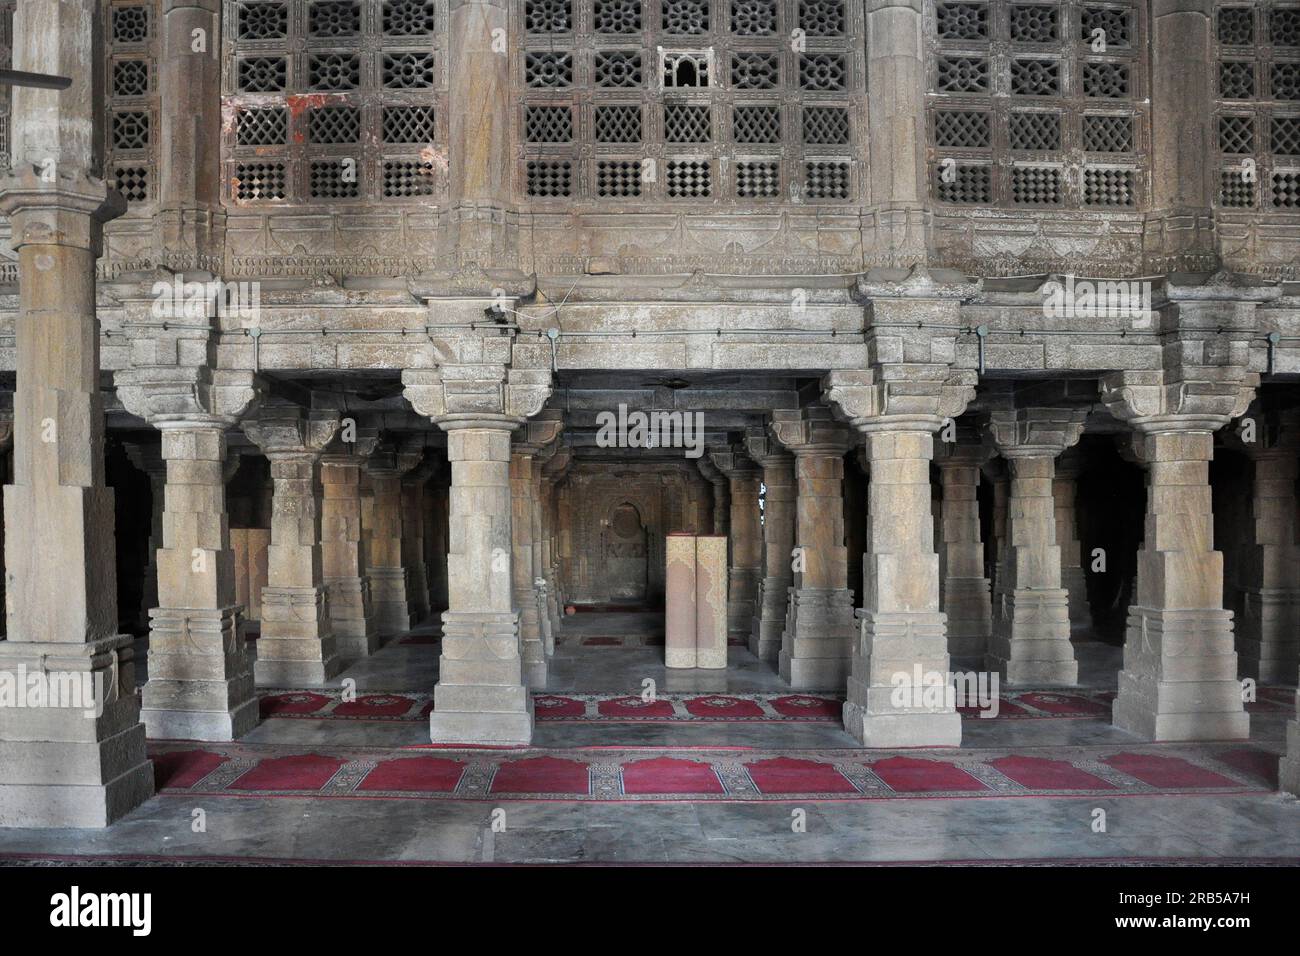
[895, 644]
[768, 624]
[388, 600]
[296, 647]
[351, 617]
[818, 641]
[968, 608]
[200, 682]
[1031, 643]
[60, 767]
[1268, 635]
[1179, 680]
[480, 697]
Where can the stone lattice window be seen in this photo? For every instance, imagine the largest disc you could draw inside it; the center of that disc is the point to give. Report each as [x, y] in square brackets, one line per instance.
[131, 87]
[1257, 91]
[1037, 104]
[657, 101]
[338, 101]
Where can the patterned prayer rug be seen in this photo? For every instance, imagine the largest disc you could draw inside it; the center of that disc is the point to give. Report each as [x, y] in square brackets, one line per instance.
[708, 774]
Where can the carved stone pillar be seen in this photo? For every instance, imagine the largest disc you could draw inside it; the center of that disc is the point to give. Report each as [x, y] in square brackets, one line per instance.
[817, 643]
[903, 647]
[553, 471]
[1268, 634]
[297, 644]
[1031, 640]
[1179, 680]
[779, 512]
[438, 490]
[965, 589]
[1065, 496]
[389, 597]
[149, 459]
[525, 522]
[62, 765]
[481, 696]
[745, 540]
[343, 567]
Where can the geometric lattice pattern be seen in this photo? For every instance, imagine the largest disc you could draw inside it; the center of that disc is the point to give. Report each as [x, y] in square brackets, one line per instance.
[1108, 134]
[130, 24]
[961, 129]
[374, 133]
[1010, 77]
[1235, 190]
[130, 130]
[130, 78]
[965, 184]
[1286, 136]
[1108, 187]
[132, 182]
[1035, 131]
[827, 180]
[725, 100]
[259, 181]
[758, 179]
[334, 124]
[1036, 185]
[689, 179]
[1237, 134]
[1286, 190]
[618, 178]
[1235, 26]
[264, 127]
[404, 178]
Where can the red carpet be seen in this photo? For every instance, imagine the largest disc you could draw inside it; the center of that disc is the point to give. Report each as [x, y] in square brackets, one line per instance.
[734, 774]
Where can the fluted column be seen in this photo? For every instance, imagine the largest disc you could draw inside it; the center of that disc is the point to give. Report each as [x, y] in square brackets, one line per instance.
[965, 591]
[297, 644]
[779, 512]
[62, 765]
[745, 539]
[343, 566]
[1031, 640]
[817, 642]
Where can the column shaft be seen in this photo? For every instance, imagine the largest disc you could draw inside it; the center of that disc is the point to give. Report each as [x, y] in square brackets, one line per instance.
[523, 524]
[1179, 680]
[1268, 638]
[966, 600]
[779, 516]
[342, 561]
[200, 677]
[481, 696]
[388, 578]
[903, 651]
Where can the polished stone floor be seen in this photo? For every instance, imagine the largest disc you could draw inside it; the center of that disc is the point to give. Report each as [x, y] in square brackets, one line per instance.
[1155, 827]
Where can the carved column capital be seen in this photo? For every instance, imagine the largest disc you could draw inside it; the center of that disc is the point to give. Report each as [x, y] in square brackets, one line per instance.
[764, 448]
[538, 434]
[180, 396]
[340, 451]
[287, 431]
[909, 396]
[1035, 432]
[453, 395]
[811, 431]
[732, 462]
[1182, 399]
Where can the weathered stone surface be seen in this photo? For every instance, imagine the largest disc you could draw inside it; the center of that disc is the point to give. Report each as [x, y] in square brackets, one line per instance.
[679, 601]
[712, 603]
